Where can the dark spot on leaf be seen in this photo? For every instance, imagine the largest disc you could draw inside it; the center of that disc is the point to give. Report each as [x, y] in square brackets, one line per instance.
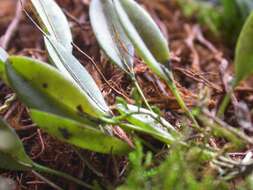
[80, 110]
[45, 85]
[65, 133]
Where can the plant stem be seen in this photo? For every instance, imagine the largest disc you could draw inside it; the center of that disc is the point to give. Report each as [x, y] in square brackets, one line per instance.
[223, 105]
[141, 93]
[47, 170]
[47, 181]
[226, 100]
[182, 104]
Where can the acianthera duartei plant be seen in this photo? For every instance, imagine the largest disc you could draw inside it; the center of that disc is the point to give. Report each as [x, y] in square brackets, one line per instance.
[121, 24]
[64, 59]
[66, 102]
[49, 94]
[42, 87]
[113, 39]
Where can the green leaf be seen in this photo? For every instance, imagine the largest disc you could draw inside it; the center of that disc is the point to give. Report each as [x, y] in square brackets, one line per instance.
[140, 27]
[73, 69]
[3, 58]
[148, 122]
[12, 153]
[53, 21]
[41, 86]
[244, 51]
[110, 34]
[144, 34]
[79, 134]
[59, 48]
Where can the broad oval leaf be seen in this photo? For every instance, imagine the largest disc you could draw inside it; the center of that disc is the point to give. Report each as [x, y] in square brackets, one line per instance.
[79, 134]
[41, 86]
[244, 51]
[53, 21]
[110, 34]
[12, 153]
[3, 58]
[144, 121]
[73, 69]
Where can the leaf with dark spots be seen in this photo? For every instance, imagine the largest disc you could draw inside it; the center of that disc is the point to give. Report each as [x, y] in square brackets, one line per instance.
[71, 68]
[28, 77]
[79, 134]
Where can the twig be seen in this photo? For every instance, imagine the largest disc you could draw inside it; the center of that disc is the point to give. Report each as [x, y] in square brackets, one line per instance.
[42, 145]
[47, 181]
[192, 33]
[11, 30]
[11, 110]
[228, 127]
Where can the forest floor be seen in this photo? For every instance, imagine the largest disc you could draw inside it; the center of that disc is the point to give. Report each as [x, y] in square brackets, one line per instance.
[200, 62]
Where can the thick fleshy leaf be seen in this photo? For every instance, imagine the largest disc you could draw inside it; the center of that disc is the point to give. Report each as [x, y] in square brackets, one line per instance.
[3, 58]
[41, 86]
[110, 34]
[12, 153]
[244, 51]
[53, 21]
[73, 69]
[140, 27]
[146, 37]
[79, 134]
[144, 121]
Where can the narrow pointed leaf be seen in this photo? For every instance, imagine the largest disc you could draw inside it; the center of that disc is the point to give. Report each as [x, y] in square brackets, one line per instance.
[3, 58]
[244, 51]
[41, 86]
[12, 153]
[146, 37]
[73, 69]
[140, 26]
[79, 134]
[110, 34]
[145, 122]
[53, 21]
